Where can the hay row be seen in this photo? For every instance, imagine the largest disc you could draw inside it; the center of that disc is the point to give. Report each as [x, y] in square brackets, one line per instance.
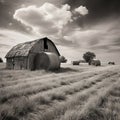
[59, 109]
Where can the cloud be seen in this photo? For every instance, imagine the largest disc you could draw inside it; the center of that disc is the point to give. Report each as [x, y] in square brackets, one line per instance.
[82, 38]
[46, 19]
[9, 38]
[71, 53]
[50, 20]
[81, 10]
[103, 37]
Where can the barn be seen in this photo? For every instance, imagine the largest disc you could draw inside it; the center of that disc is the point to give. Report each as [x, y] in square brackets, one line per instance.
[25, 55]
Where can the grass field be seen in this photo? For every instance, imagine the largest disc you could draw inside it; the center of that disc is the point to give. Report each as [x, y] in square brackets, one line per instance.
[72, 93]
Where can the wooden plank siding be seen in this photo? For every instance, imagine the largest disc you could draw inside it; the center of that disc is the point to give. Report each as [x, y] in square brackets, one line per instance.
[17, 63]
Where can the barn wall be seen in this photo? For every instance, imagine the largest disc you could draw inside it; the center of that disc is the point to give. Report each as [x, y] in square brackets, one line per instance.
[51, 48]
[31, 61]
[39, 47]
[17, 63]
[20, 63]
[9, 64]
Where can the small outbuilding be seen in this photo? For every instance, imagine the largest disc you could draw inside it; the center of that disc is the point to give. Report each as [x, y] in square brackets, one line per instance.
[27, 55]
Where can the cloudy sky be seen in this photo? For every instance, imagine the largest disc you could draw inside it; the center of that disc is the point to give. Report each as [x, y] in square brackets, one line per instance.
[76, 26]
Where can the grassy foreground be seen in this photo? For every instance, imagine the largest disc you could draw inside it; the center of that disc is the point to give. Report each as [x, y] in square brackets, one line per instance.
[72, 93]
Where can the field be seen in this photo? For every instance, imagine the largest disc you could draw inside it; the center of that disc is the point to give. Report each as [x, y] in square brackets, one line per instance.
[72, 93]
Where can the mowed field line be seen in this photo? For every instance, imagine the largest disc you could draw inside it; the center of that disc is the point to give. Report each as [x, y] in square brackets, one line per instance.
[28, 79]
[56, 102]
[42, 78]
[64, 99]
[15, 81]
[76, 86]
[47, 78]
[90, 109]
[19, 75]
[110, 107]
[73, 100]
[35, 79]
[35, 89]
[13, 75]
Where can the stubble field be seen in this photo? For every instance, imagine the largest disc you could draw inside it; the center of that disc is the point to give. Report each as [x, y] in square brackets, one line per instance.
[72, 93]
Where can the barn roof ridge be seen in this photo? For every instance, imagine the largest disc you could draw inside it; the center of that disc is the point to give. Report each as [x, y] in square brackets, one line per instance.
[23, 49]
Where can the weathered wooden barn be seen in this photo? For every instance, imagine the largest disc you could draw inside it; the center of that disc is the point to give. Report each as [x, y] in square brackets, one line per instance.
[24, 55]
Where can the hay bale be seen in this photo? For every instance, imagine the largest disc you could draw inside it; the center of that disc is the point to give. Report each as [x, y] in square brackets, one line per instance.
[47, 61]
[75, 62]
[111, 63]
[96, 62]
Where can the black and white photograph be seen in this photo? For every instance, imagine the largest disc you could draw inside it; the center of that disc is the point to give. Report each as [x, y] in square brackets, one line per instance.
[59, 59]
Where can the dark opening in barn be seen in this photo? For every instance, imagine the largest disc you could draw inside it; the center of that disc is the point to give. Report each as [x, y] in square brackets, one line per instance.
[45, 44]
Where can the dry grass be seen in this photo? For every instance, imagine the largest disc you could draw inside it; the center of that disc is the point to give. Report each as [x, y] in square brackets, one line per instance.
[76, 93]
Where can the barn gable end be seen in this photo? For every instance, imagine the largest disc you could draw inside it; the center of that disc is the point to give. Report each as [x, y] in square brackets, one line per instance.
[22, 55]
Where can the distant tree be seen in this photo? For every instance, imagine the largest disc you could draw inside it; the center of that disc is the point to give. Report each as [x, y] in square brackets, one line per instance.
[1, 60]
[88, 57]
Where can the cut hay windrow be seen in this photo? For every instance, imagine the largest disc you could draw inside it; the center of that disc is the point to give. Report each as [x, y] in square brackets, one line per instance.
[72, 95]
[31, 81]
[43, 79]
[58, 110]
[35, 90]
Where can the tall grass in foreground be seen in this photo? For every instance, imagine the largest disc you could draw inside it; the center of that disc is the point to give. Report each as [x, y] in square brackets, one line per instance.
[18, 109]
[36, 87]
[73, 105]
[103, 106]
[23, 106]
[74, 97]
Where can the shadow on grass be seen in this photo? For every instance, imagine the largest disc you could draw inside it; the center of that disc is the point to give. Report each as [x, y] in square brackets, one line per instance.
[62, 70]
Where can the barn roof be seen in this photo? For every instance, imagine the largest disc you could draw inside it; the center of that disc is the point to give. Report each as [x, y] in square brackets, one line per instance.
[23, 49]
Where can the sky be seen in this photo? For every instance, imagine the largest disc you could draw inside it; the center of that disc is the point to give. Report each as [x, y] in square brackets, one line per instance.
[75, 26]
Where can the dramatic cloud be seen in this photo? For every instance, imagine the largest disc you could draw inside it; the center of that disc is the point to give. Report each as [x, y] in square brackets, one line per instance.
[103, 37]
[9, 38]
[76, 26]
[82, 38]
[71, 53]
[98, 9]
[81, 10]
[47, 19]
